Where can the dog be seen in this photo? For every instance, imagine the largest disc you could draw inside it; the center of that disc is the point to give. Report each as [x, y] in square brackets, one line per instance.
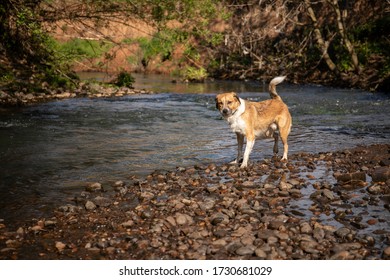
[265, 119]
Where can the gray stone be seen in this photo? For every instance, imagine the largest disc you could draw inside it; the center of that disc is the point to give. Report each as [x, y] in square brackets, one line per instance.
[89, 205]
[305, 228]
[342, 232]
[381, 174]
[260, 253]
[244, 251]
[94, 187]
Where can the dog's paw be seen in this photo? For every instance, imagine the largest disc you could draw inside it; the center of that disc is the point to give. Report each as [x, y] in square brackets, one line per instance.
[236, 161]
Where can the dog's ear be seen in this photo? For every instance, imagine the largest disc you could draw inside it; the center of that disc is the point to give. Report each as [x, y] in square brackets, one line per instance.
[236, 97]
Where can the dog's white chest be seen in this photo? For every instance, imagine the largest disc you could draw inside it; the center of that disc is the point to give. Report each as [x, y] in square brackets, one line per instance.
[237, 124]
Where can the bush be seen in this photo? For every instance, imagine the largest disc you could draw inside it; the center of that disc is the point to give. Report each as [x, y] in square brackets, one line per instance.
[124, 79]
[195, 74]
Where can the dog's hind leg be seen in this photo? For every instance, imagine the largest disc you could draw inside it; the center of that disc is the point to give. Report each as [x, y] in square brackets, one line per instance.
[283, 136]
[276, 138]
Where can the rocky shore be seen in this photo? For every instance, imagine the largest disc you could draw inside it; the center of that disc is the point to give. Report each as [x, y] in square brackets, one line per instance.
[84, 89]
[333, 205]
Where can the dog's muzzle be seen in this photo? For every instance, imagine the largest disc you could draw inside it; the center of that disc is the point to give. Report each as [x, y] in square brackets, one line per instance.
[226, 112]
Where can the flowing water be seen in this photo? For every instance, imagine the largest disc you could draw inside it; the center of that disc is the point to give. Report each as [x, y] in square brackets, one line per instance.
[50, 151]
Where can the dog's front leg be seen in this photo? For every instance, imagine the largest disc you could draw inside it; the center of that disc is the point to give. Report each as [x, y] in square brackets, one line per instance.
[240, 144]
[248, 149]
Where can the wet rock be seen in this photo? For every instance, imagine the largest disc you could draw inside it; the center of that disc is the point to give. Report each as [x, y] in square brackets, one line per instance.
[220, 233]
[94, 187]
[20, 231]
[342, 255]
[309, 246]
[343, 232]
[219, 243]
[381, 174]
[183, 219]
[328, 194]
[69, 208]
[297, 213]
[346, 247]
[305, 228]
[89, 205]
[36, 228]
[101, 201]
[233, 246]
[275, 224]
[260, 253]
[318, 234]
[60, 246]
[375, 189]
[348, 177]
[171, 220]
[128, 224]
[207, 204]
[265, 234]
[246, 250]
[218, 218]
[50, 223]
[386, 253]
[284, 186]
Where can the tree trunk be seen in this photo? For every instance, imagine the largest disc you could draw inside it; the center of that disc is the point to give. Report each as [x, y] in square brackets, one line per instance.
[344, 35]
[320, 39]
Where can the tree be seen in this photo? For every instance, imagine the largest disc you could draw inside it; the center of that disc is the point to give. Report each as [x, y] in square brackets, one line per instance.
[322, 43]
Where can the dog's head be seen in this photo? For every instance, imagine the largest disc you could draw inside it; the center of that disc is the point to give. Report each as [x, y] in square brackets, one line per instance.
[227, 103]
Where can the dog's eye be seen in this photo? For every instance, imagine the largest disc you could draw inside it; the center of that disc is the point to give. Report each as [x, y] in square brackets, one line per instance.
[230, 102]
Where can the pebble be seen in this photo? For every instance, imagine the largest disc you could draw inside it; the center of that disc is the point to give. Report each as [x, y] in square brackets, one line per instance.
[305, 227]
[342, 232]
[375, 189]
[243, 251]
[94, 187]
[60, 246]
[183, 219]
[381, 174]
[386, 252]
[89, 205]
[218, 212]
[101, 201]
[128, 224]
[260, 253]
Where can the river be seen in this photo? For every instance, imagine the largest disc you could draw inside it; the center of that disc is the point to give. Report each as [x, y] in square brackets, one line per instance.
[50, 151]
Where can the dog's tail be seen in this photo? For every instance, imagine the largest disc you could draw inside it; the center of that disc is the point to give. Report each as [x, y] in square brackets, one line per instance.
[272, 87]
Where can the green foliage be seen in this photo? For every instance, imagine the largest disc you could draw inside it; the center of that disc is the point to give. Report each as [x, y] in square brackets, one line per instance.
[27, 49]
[195, 74]
[78, 49]
[161, 44]
[371, 39]
[124, 79]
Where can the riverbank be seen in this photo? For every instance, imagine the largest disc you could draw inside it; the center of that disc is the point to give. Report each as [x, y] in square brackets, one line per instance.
[84, 89]
[331, 205]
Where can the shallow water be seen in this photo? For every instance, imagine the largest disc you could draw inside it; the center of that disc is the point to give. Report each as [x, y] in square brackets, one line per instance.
[49, 151]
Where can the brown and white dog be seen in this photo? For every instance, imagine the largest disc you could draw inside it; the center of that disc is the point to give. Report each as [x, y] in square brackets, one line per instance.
[265, 119]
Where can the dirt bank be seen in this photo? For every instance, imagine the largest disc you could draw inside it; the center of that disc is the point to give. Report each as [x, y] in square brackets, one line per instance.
[317, 206]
